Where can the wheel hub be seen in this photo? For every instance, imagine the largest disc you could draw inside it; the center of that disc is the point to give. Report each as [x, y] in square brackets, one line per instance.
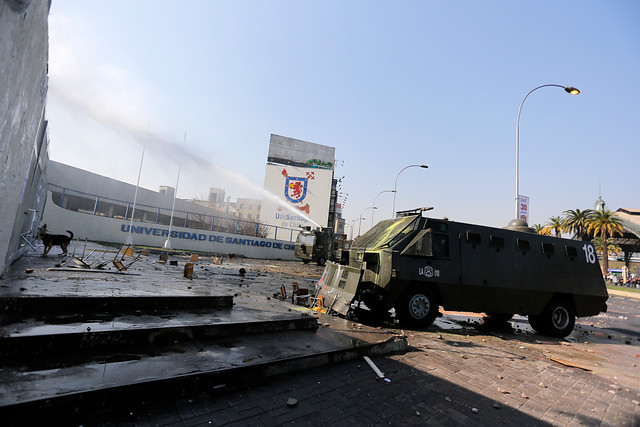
[560, 318]
[419, 306]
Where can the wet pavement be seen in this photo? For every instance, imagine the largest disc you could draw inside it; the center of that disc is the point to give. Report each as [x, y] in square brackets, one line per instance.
[460, 371]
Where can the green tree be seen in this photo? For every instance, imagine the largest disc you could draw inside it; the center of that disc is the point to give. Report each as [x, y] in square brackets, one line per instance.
[539, 228]
[604, 223]
[576, 222]
[612, 247]
[555, 224]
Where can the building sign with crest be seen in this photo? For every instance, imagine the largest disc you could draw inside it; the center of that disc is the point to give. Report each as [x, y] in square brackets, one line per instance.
[303, 196]
[299, 176]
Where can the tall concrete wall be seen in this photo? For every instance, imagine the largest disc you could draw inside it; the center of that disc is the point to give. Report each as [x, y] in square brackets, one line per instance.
[24, 50]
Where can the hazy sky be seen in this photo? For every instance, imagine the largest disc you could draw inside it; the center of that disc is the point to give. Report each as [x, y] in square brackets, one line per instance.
[387, 83]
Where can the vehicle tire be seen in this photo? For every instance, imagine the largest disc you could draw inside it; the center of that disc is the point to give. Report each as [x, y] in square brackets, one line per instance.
[322, 261]
[536, 323]
[371, 317]
[417, 307]
[499, 317]
[557, 319]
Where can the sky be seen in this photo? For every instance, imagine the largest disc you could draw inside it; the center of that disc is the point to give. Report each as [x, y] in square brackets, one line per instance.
[199, 86]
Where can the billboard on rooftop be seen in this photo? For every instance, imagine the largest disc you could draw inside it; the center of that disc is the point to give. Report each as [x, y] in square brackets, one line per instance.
[299, 176]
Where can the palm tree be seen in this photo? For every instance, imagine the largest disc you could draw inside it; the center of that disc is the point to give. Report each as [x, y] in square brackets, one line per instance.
[575, 221]
[539, 229]
[604, 223]
[555, 224]
[612, 247]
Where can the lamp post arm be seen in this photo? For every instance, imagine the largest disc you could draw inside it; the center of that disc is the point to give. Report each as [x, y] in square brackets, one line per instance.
[568, 89]
[395, 186]
[374, 202]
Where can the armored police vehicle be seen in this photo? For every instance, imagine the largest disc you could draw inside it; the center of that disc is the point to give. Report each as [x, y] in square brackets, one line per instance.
[319, 245]
[415, 264]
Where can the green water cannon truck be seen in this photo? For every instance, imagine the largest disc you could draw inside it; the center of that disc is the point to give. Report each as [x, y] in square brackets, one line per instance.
[414, 264]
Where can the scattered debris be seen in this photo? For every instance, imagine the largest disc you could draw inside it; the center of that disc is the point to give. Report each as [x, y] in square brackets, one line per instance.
[569, 364]
[374, 367]
[474, 410]
[188, 270]
[292, 403]
[29, 270]
[496, 406]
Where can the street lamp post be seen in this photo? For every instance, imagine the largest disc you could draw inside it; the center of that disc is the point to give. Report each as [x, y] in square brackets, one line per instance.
[374, 202]
[570, 90]
[361, 218]
[167, 243]
[395, 186]
[353, 223]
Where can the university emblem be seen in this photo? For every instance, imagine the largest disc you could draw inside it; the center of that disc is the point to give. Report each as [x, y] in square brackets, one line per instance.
[295, 188]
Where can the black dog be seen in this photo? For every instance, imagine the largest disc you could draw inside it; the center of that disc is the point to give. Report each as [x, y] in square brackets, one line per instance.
[51, 240]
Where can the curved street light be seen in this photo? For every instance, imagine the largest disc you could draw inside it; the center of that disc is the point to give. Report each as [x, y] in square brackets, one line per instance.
[353, 223]
[374, 202]
[395, 186]
[361, 218]
[570, 90]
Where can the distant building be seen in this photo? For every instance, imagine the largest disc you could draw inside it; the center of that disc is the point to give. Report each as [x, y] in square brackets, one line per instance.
[99, 208]
[248, 209]
[216, 197]
[165, 190]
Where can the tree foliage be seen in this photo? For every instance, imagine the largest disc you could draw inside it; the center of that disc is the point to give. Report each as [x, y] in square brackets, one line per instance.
[604, 224]
[554, 225]
[576, 221]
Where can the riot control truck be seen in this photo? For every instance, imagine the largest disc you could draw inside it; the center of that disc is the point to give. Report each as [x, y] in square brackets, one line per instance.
[415, 264]
[319, 245]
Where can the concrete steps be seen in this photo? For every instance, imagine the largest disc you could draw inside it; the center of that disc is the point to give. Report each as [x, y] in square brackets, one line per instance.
[98, 351]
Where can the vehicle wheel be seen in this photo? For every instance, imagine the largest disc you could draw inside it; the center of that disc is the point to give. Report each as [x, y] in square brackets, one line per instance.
[322, 261]
[536, 323]
[371, 317]
[558, 318]
[417, 307]
[499, 317]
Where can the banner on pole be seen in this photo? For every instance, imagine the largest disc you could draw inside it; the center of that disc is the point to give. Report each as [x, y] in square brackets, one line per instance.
[523, 208]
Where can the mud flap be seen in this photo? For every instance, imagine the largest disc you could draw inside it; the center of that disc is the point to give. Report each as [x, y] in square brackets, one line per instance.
[337, 287]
